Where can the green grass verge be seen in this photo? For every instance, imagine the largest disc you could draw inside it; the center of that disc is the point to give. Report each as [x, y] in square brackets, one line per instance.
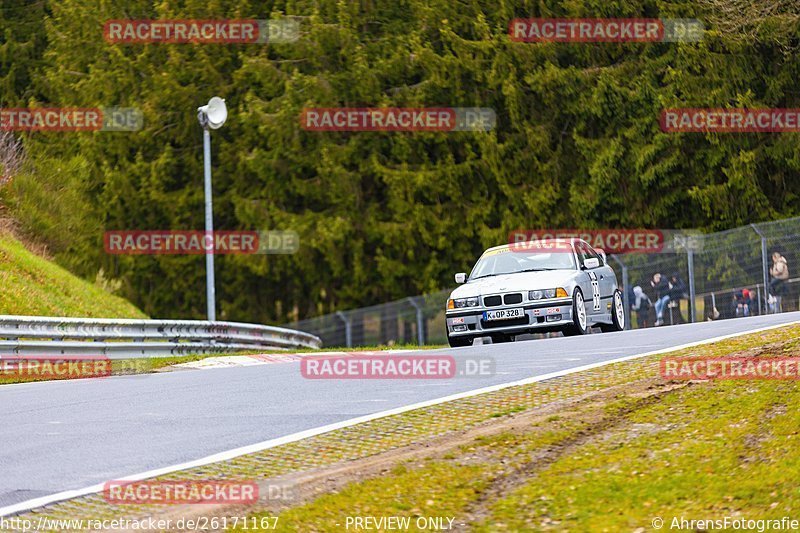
[716, 450]
[704, 451]
[32, 285]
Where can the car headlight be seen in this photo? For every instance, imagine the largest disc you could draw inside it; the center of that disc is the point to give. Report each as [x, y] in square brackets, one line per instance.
[460, 303]
[558, 292]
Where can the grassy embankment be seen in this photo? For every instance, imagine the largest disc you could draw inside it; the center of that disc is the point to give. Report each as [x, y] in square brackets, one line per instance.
[615, 462]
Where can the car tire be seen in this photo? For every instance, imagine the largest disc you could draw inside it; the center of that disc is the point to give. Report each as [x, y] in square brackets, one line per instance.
[459, 342]
[580, 320]
[617, 314]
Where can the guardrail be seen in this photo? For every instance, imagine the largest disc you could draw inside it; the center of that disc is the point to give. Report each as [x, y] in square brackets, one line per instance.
[121, 338]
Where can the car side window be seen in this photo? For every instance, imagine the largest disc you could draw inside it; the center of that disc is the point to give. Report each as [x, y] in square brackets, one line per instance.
[587, 252]
[593, 253]
[581, 249]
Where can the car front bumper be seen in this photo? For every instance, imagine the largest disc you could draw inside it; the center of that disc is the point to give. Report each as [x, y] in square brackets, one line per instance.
[551, 315]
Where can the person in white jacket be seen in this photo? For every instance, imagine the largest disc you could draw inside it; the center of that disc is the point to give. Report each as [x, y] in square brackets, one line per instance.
[641, 304]
[779, 273]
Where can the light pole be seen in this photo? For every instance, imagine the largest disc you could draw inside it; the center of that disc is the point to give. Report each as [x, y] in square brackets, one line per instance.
[211, 115]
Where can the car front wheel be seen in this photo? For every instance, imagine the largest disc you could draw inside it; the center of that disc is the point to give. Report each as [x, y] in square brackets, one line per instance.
[579, 324]
[617, 315]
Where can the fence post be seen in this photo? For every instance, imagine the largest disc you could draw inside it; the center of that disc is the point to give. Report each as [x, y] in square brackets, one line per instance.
[764, 268]
[348, 331]
[692, 302]
[420, 321]
[626, 304]
[760, 310]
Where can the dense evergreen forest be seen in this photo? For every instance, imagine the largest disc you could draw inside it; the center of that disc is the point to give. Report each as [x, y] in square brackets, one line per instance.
[382, 215]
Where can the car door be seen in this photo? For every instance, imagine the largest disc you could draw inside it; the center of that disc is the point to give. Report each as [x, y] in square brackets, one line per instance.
[607, 282]
[590, 280]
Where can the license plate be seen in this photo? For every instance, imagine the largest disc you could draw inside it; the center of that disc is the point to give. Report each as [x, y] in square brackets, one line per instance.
[504, 314]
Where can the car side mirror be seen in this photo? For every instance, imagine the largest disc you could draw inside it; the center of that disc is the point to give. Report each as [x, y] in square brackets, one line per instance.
[602, 254]
[591, 263]
[461, 277]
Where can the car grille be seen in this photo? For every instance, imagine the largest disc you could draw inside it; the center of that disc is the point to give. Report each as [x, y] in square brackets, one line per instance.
[514, 298]
[492, 301]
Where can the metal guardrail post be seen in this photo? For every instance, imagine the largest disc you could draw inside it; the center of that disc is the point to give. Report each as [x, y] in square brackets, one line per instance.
[626, 304]
[693, 303]
[764, 267]
[420, 322]
[348, 329]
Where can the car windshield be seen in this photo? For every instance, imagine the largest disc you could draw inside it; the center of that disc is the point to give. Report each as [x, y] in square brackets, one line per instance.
[512, 262]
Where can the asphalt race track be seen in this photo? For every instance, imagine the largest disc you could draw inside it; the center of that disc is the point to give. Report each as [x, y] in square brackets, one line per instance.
[65, 435]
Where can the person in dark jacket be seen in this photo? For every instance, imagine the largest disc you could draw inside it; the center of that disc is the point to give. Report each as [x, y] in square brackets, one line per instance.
[677, 292]
[660, 287]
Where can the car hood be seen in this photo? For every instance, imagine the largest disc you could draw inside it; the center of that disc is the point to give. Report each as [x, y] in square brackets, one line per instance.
[524, 281]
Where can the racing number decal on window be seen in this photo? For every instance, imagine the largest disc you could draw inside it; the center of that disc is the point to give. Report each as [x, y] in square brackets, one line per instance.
[595, 291]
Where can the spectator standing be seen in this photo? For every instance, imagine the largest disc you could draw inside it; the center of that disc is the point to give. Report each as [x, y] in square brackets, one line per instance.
[677, 292]
[660, 287]
[641, 304]
[779, 273]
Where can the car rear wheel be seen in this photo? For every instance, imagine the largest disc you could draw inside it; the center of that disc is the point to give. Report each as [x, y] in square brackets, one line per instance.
[580, 321]
[617, 315]
[458, 342]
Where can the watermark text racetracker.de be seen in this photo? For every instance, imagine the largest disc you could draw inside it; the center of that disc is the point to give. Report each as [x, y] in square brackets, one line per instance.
[360, 366]
[733, 368]
[240, 31]
[176, 492]
[201, 523]
[605, 30]
[50, 367]
[734, 120]
[187, 242]
[71, 119]
[398, 119]
[612, 241]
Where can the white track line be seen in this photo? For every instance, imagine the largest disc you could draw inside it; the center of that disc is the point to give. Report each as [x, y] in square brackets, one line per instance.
[272, 443]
